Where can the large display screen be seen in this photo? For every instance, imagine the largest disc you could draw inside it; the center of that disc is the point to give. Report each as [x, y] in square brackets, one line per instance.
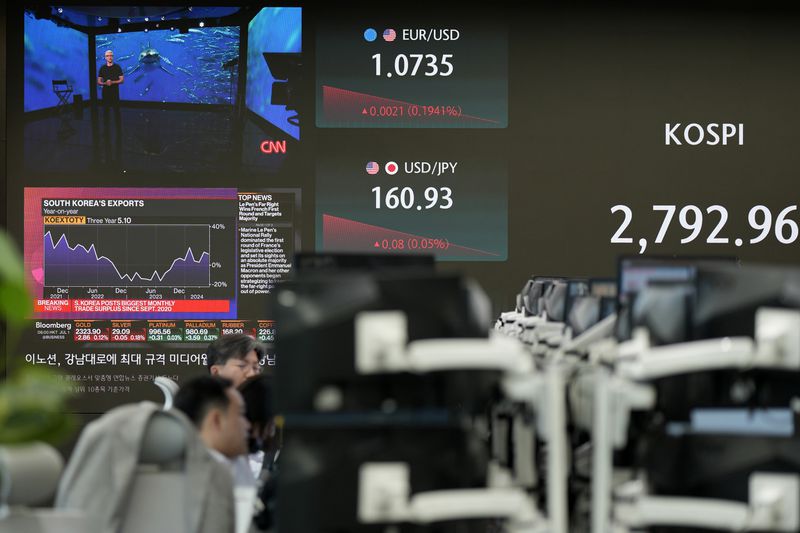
[163, 219]
[503, 141]
[197, 67]
[137, 271]
[55, 61]
[180, 107]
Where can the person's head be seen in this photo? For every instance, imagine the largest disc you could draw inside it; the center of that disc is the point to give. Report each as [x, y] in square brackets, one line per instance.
[217, 410]
[235, 357]
[257, 394]
[109, 55]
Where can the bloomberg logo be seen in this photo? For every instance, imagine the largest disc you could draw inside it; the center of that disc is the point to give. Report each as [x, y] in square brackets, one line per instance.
[694, 134]
[273, 147]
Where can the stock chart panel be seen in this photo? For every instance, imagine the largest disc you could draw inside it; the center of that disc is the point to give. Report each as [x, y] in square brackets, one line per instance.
[125, 278]
[423, 201]
[134, 257]
[378, 69]
[431, 192]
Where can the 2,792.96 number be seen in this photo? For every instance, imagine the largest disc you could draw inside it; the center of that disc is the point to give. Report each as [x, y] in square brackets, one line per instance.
[693, 218]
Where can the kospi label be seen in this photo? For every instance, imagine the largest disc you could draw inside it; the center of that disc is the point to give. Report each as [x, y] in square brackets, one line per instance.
[430, 34]
[710, 134]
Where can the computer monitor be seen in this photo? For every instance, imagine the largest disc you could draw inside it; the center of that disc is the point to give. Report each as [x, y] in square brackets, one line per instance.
[715, 466]
[337, 419]
[728, 296]
[576, 288]
[605, 290]
[533, 293]
[722, 301]
[317, 315]
[318, 485]
[709, 431]
[560, 295]
[716, 299]
[636, 273]
[603, 287]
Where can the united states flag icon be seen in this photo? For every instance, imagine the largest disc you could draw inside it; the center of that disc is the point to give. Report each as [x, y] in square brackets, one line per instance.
[389, 35]
[373, 168]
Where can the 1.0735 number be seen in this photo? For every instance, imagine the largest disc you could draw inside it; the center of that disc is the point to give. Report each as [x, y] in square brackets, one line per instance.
[409, 65]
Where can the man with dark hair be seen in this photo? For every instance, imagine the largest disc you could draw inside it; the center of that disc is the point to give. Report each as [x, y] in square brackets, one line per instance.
[217, 410]
[257, 394]
[235, 357]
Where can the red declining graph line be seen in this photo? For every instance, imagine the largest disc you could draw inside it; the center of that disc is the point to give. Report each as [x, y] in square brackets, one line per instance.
[337, 94]
[344, 232]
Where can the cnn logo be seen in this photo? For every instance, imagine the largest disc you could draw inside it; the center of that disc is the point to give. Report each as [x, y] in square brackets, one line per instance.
[273, 147]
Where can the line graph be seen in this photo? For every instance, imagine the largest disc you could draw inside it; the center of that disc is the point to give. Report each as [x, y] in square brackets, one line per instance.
[133, 255]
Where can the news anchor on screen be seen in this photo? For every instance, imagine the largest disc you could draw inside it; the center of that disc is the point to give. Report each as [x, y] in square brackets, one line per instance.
[109, 77]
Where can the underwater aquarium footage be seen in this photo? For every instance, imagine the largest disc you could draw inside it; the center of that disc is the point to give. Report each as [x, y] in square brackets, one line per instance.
[53, 53]
[197, 67]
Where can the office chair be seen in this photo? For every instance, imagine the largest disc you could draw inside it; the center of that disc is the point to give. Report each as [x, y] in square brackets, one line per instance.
[28, 477]
[158, 482]
[160, 478]
[141, 469]
[169, 388]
